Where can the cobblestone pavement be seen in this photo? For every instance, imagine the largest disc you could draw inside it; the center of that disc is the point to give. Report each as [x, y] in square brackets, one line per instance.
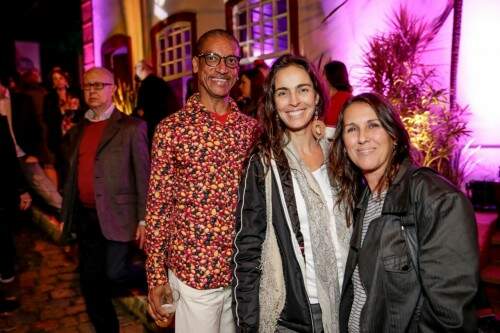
[47, 288]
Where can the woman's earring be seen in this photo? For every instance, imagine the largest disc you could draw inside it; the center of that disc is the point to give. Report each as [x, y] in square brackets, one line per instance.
[318, 126]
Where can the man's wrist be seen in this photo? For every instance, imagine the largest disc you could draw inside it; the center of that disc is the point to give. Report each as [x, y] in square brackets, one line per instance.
[142, 223]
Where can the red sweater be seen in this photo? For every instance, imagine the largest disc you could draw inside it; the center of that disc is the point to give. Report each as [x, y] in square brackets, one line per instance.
[92, 134]
[336, 103]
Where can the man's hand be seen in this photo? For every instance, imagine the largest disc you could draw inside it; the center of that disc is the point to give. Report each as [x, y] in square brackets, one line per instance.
[140, 235]
[24, 201]
[156, 296]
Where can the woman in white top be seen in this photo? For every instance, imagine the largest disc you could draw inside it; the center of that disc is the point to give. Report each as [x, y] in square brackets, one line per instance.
[291, 244]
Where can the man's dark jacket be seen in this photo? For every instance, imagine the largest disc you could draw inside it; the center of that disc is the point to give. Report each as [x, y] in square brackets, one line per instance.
[121, 174]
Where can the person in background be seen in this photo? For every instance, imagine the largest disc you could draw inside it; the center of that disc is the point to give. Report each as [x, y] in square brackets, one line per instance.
[104, 197]
[60, 115]
[155, 98]
[291, 244]
[12, 192]
[413, 260]
[27, 135]
[251, 89]
[31, 86]
[191, 87]
[339, 88]
[261, 65]
[197, 159]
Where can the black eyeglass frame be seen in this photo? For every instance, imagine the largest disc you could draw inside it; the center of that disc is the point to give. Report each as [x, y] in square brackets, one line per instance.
[98, 86]
[204, 55]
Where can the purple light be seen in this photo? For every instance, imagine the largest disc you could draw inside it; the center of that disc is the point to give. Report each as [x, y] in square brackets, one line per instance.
[479, 73]
[348, 30]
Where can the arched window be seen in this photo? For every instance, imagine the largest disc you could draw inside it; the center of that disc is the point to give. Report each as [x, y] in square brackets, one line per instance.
[172, 42]
[117, 57]
[265, 29]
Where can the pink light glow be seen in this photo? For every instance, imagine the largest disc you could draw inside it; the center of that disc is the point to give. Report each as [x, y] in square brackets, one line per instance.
[479, 73]
[350, 28]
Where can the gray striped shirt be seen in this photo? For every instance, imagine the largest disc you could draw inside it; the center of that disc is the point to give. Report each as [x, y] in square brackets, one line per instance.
[373, 210]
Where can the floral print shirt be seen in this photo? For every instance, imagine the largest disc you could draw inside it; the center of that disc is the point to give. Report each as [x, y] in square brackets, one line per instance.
[196, 166]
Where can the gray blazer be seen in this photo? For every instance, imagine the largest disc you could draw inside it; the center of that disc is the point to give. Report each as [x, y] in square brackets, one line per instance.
[121, 174]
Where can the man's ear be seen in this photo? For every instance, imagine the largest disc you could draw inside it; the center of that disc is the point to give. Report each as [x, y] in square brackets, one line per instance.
[195, 64]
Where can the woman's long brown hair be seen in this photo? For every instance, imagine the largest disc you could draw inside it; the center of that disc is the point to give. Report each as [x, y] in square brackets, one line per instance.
[346, 174]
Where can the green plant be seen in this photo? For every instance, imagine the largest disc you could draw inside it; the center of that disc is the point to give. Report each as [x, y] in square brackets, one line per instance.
[395, 69]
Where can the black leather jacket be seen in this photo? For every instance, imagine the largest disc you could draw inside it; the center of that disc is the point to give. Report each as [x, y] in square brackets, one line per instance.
[250, 234]
[448, 259]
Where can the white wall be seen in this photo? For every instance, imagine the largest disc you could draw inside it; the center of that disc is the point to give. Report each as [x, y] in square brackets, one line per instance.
[478, 77]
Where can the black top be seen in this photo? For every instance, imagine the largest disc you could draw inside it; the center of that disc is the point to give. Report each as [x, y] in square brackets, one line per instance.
[157, 100]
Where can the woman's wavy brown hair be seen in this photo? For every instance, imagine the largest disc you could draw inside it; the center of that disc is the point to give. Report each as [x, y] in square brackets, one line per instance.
[346, 174]
[272, 139]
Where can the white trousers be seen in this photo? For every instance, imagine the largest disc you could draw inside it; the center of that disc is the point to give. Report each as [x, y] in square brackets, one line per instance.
[204, 311]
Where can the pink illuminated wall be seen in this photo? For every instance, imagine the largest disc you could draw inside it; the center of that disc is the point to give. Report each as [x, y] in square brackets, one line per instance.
[348, 30]
[478, 80]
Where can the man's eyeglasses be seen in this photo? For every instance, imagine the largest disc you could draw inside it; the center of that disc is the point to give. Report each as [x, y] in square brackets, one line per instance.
[96, 85]
[213, 59]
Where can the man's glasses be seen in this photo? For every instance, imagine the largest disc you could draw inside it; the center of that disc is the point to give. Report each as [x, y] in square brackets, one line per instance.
[96, 85]
[213, 59]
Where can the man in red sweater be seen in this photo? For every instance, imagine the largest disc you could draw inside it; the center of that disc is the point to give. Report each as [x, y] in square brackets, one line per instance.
[104, 196]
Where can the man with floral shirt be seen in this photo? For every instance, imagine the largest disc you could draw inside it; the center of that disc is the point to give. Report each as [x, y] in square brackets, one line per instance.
[197, 159]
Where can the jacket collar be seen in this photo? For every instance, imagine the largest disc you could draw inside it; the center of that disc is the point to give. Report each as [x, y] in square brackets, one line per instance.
[93, 116]
[398, 195]
[111, 129]
[109, 132]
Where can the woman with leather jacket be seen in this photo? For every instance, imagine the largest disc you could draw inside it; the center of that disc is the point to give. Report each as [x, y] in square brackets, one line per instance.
[413, 258]
[291, 244]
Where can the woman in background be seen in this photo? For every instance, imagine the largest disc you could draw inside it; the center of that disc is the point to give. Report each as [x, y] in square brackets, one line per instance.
[413, 260]
[252, 89]
[291, 244]
[339, 88]
[63, 108]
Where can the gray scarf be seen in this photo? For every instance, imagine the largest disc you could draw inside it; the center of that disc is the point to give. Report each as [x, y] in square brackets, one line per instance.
[272, 291]
[325, 261]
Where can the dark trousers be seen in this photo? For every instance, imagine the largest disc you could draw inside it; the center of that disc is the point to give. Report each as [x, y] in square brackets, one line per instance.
[316, 316]
[7, 248]
[104, 268]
